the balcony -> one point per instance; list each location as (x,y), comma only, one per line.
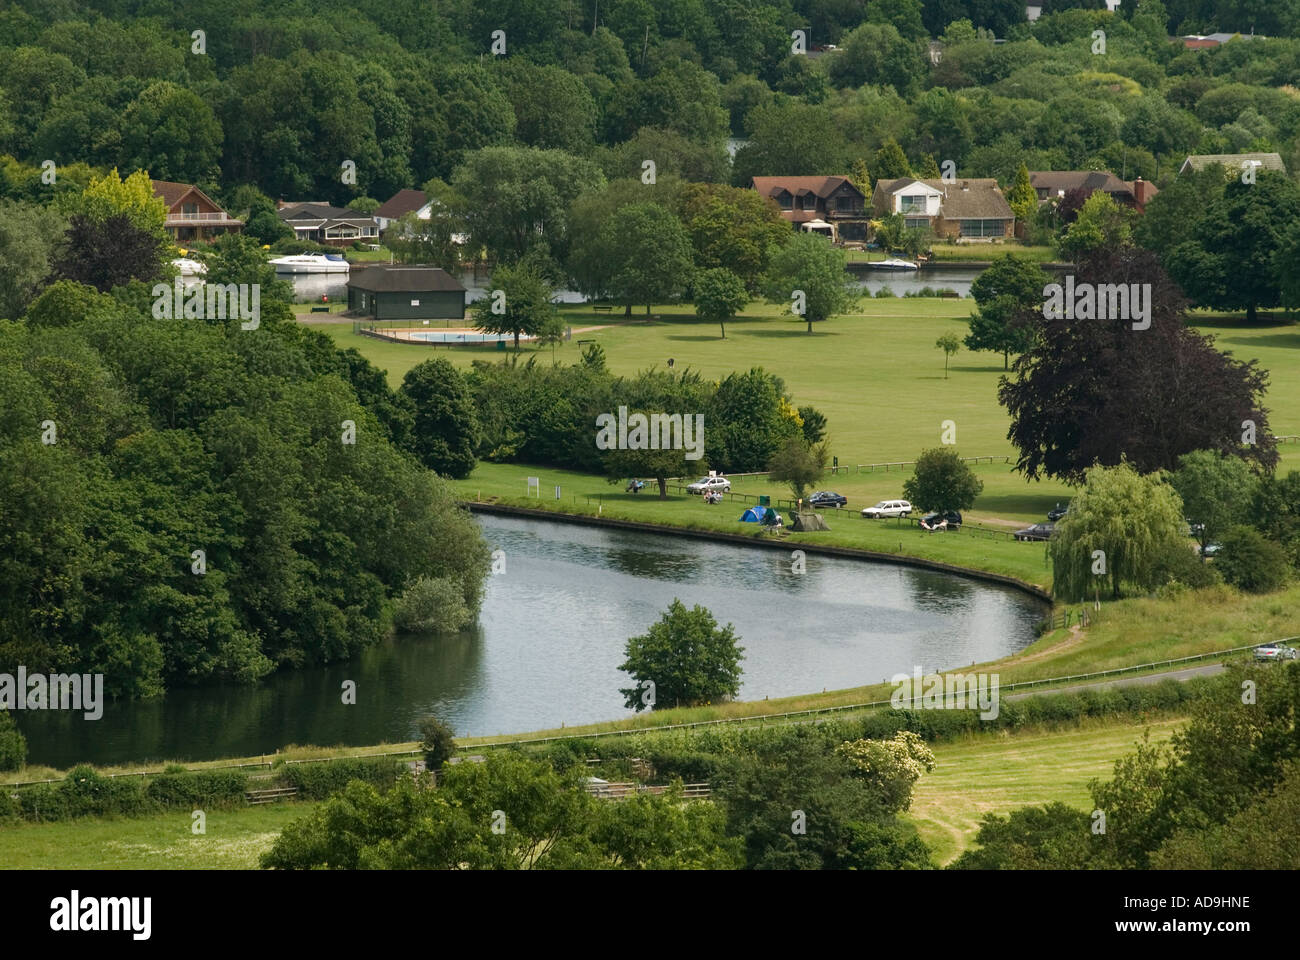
(190,219)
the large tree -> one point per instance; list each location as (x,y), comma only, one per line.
(808,275)
(687,658)
(1005,293)
(29,235)
(519,303)
(719,296)
(732,228)
(942,481)
(1226,259)
(446,432)
(1216,492)
(1097,390)
(647,256)
(1119,529)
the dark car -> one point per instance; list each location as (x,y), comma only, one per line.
(1057,512)
(932,520)
(1036,531)
(825,498)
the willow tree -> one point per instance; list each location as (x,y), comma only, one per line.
(1120,526)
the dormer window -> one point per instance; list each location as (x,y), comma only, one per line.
(810,202)
(912,204)
(784,199)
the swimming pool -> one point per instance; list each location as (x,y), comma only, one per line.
(440,336)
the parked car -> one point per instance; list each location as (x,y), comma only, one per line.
(888,508)
(951,517)
(1057,512)
(1036,531)
(825,498)
(720,484)
(1277,650)
(1209,550)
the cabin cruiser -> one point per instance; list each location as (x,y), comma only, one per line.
(311,263)
(188,267)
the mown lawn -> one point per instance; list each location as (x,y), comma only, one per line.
(234,841)
(876,374)
(998,774)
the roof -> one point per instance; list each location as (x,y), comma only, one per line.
(173,193)
(403,278)
(401,203)
(1266,161)
(799,186)
(977,199)
(1056,180)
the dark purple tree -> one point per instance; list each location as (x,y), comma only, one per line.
(1092,390)
(109,253)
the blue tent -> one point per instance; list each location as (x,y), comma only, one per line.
(758,515)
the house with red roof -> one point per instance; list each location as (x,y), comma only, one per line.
(192,214)
(828,205)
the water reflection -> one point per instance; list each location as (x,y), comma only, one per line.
(551,636)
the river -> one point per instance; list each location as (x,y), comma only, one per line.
(551,636)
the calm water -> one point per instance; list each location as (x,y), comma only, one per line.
(551,636)
(902,281)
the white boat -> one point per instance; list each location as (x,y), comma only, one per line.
(188,267)
(311,263)
(893,264)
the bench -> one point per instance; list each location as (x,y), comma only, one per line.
(320,309)
(601,308)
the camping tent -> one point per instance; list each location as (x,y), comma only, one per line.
(759,515)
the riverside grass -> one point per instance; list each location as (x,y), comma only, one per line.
(985,773)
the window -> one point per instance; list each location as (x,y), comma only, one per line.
(912,204)
(916,223)
(810,202)
(415,303)
(845,205)
(784,201)
(983,228)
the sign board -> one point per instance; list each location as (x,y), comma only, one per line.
(534,483)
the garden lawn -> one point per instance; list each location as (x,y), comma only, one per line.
(1000,773)
(235,839)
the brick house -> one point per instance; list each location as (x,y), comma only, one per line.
(191,214)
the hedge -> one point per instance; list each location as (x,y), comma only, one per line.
(318,780)
(85,793)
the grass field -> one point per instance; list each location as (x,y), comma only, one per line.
(234,841)
(986,774)
(951,252)
(999,774)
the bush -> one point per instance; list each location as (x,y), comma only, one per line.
(884,293)
(1249,562)
(317,780)
(438,742)
(1178,563)
(432,605)
(13,745)
(202,789)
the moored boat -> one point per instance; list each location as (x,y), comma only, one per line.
(311,263)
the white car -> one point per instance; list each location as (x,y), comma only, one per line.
(710,485)
(888,508)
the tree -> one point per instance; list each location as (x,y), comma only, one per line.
(949,344)
(264,225)
(890,162)
(860,176)
(685,659)
(808,274)
(814,424)
(1054,836)
(438,741)
(108,253)
(875,53)
(1067,415)
(1021,197)
(433,240)
(173,133)
(664,452)
(518,198)
(446,428)
(719,296)
(1216,491)
(732,228)
(749,416)
(1006,293)
(28,238)
(790,139)
(648,255)
(1275,511)
(800,464)
(519,303)
(904,15)
(1131,519)
(237,259)
(1102,224)
(941,481)
(890,767)
(1227,257)
(1250,562)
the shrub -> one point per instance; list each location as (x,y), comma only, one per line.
(13,745)
(884,293)
(205,788)
(433,605)
(318,780)
(1249,562)
(438,742)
